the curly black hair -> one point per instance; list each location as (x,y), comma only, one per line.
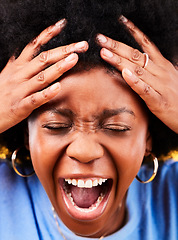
(22,20)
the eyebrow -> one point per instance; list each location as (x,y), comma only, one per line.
(107,113)
(62,111)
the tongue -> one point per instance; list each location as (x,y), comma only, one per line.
(85,197)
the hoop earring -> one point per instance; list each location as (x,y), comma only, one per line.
(155,161)
(13,158)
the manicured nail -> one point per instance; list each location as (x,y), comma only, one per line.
(71,57)
(55,86)
(101,38)
(80,45)
(107,53)
(123,19)
(61,23)
(127,72)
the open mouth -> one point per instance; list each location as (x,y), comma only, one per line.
(86,198)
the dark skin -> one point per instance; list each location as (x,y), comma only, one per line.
(22,80)
(156,84)
(21,84)
(86,132)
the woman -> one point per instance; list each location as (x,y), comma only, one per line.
(88,143)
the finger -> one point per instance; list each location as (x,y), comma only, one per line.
(46,77)
(146,44)
(35,100)
(120,63)
(50,57)
(33,47)
(151,97)
(125,51)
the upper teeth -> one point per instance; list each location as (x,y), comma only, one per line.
(89,183)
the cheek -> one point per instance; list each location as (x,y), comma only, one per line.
(127,155)
(45,155)
(40,152)
(45,152)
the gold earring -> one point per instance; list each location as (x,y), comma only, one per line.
(13,158)
(155,161)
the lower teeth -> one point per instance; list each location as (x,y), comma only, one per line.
(91,208)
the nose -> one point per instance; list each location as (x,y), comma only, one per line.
(85,149)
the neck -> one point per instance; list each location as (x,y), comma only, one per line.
(118,220)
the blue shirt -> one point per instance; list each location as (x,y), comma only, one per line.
(26,214)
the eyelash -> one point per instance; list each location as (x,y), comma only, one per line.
(116,128)
(57,126)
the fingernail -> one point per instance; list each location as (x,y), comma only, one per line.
(123,19)
(127,72)
(55,86)
(101,38)
(70,58)
(107,53)
(80,45)
(61,23)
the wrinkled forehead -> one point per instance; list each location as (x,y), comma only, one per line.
(92,92)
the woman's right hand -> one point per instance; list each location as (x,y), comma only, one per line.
(24,81)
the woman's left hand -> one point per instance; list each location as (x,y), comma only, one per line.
(156,81)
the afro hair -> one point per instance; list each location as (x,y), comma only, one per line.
(22,20)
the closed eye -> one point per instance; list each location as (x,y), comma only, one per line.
(58,127)
(116,127)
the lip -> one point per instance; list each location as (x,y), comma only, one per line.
(85,214)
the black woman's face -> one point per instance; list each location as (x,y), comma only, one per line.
(87,146)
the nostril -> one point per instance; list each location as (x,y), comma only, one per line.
(84,150)
(82,161)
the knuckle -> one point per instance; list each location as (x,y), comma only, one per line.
(161,105)
(131,27)
(114,45)
(135,54)
(44,94)
(65,49)
(70,48)
(41,76)
(118,61)
(136,81)
(36,45)
(145,40)
(44,57)
(164,103)
(13,107)
(49,31)
(147,89)
(33,100)
(34,42)
(58,67)
(139,71)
